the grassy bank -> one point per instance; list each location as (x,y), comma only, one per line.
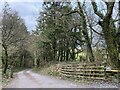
(6,77)
(54,70)
(0,78)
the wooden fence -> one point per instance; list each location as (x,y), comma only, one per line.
(87,72)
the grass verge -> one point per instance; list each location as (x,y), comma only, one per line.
(6,79)
(54,70)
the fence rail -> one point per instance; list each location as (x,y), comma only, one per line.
(87,71)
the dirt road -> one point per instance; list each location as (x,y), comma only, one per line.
(28,79)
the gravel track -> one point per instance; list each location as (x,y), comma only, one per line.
(29,79)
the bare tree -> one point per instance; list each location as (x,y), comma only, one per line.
(13,29)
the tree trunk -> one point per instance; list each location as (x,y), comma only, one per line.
(21,61)
(111,43)
(85,33)
(73,52)
(118,35)
(109,32)
(6,59)
(35,59)
(58,55)
(61,55)
(67,54)
(54,49)
(24,61)
(110,38)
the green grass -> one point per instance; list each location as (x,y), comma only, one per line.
(81,55)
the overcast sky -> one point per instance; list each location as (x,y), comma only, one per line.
(29,11)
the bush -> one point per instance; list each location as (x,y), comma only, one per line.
(53,69)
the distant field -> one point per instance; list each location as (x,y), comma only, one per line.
(82,54)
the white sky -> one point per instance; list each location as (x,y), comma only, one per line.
(29,11)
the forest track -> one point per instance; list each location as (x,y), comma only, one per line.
(29,79)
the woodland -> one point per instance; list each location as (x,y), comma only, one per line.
(81,32)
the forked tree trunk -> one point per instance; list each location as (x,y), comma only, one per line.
(109,37)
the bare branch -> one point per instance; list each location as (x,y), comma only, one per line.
(96,9)
(17,40)
(105,2)
(72,12)
(96,43)
(95,30)
(109,10)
